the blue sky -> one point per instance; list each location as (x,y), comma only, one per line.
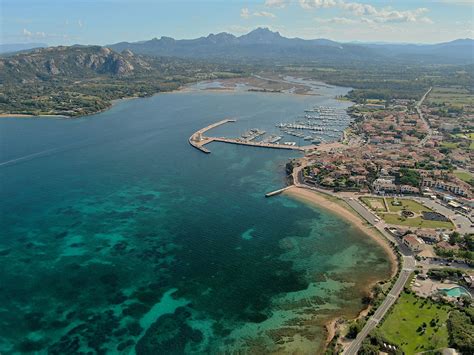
(108,21)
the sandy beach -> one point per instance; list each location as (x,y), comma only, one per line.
(319,200)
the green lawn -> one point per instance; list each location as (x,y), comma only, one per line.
(449,145)
(375,203)
(451,96)
(408,314)
(464,176)
(395,218)
(407,204)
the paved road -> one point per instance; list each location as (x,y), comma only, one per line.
(418,110)
(438,264)
(368,215)
(408,267)
(408,262)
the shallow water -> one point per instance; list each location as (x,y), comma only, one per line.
(118,236)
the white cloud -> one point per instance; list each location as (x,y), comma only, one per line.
(245,13)
(314,4)
(264,14)
(359,9)
(276,3)
(33,35)
(338,20)
(80,23)
(386,14)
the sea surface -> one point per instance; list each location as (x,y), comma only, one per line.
(116,236)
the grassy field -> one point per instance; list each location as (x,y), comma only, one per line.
(395,218)
(464,176)
(406,204)
(408,315)
(452,96)
(449,145)
(375,203)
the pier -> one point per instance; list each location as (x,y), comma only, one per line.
(198,140)
(277,192)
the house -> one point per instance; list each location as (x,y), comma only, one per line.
(469,279)
(429,236)
(445,245)
(384,185)
(407,189)
(413,242)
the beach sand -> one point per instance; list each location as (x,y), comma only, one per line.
(320,200)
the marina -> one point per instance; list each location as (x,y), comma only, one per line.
(320,124)
(198,140)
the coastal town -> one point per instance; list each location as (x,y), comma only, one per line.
(402,171)
(405,167)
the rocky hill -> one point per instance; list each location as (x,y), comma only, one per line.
(79,80)
(71,62)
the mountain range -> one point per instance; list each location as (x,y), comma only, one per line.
(263,43)
(17,47)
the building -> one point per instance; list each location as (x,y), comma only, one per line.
(407,189)
(457,189)
(413,242)
(384,185)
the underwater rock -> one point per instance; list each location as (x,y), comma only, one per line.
(135,310)
(125,344)
(169,334)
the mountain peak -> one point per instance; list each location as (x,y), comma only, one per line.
(261,35)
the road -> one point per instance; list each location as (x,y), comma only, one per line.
(418,110)
(462,223)
(408,267)
(408,261)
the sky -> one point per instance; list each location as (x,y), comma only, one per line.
(102,22)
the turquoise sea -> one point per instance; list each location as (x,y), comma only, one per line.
(116,236)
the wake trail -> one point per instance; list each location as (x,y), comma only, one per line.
(28,157)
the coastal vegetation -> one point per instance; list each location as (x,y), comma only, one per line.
(76,81)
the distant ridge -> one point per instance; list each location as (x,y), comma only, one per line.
(17,47)
(263,43)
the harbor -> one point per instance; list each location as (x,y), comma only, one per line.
(198,140)
(315,126)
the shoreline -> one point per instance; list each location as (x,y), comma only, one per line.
(186,88)
(25,115)
(313,198)
(319,200)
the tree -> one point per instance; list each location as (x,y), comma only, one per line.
(454,238)
(461,332)
(354,329)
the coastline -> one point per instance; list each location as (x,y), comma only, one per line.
(25,115)
(319,200)
(186,88)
